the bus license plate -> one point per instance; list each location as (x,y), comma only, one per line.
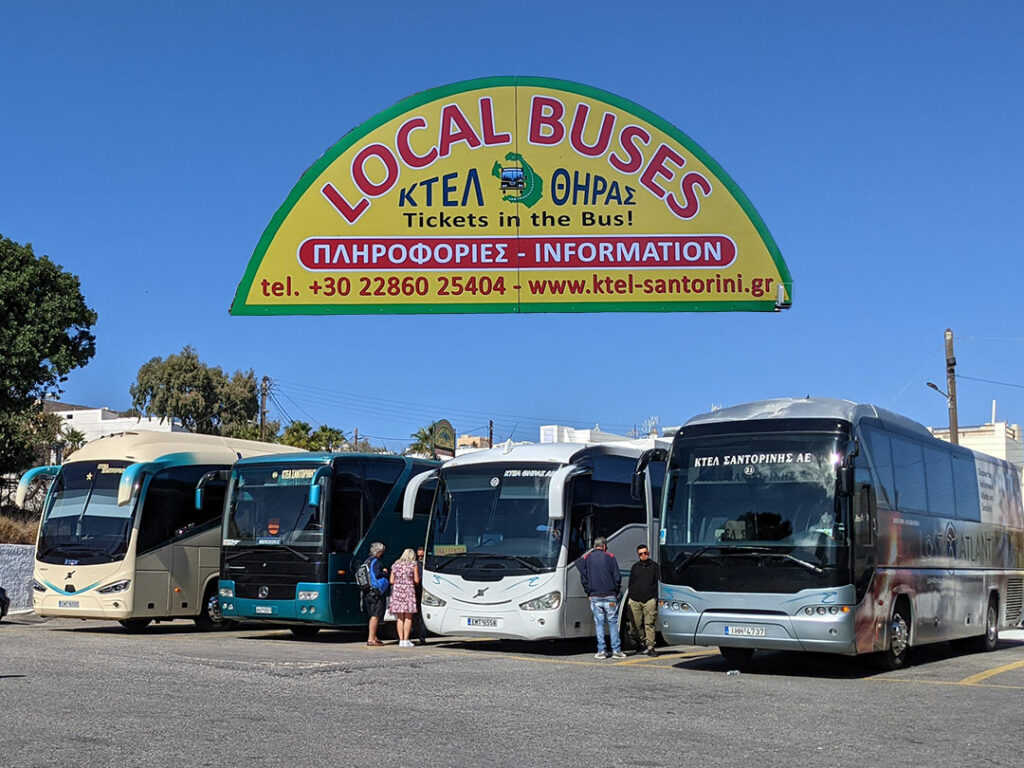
(269,609)
(479,622)
(742,631)
(67,603)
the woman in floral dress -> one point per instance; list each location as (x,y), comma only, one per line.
(404,578)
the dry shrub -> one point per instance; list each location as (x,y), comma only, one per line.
(17,532)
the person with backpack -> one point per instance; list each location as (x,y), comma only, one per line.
(375,576)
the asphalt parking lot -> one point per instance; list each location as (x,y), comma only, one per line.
(85,693)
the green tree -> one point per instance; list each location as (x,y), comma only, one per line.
(297,435)
(45,333)
(201,396)
(327,439)
(423,441)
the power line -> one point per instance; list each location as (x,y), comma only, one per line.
(989,381)
(384,407)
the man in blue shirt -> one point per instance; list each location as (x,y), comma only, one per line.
(602,581)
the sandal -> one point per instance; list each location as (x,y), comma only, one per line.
(374,643)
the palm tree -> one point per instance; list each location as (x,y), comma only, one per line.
(73,439)
(423,441)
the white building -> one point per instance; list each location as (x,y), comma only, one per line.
(556,433)
(97,422)
(999,439)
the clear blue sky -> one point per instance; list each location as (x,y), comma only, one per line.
(145,146)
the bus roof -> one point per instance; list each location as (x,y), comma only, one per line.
(808,408)
(322,457)
(149,446)
(552,453)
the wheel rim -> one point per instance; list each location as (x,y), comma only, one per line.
(213,610)
(990,623)
(899,634)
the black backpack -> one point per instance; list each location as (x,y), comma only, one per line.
(363,577)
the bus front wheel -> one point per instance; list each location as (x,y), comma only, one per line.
(210,618)
(895,656)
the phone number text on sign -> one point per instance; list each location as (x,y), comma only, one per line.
(374,287)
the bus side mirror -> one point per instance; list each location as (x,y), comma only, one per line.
(131,481)
(637,485)
(218,474)
(846,471)
(28,478)
(556,490)
(315,486)
(412,488)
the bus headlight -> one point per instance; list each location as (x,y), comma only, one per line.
(227,592)
(117,586)
(674,605)
(547,602)
(308,595)
(37,586)
(429,599)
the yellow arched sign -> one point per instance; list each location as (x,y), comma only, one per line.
(514,194)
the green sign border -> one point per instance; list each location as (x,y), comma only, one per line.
(239,306)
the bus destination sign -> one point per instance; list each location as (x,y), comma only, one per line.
(514,194)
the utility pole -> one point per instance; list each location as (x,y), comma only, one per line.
(264,391)
(490,433)
(954,437)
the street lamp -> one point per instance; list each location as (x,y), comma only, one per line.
(954,437)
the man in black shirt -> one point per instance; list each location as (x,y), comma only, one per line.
(643,597)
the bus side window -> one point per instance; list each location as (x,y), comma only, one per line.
(580,516)
(612,502)
(381,476)
(881,455)
(168,509)
(348,508)
(965,484)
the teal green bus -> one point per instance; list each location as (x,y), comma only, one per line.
(296,526)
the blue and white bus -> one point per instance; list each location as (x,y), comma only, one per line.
(509,525)
(296,527)
(827,525)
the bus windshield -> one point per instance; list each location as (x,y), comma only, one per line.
(82,521)
(742,494)
(494,519)
(269,504)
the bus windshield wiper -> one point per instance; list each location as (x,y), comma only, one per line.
(773,553)
(233,555)
(517,558)
(682,566)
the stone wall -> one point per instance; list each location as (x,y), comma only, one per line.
(16,562)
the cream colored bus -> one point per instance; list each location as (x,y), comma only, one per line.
(121,536)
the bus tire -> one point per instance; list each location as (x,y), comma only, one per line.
(988,641)
(210,618)
(305,632)
(895,656)
(739,657)
(629,635)
(134,625)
